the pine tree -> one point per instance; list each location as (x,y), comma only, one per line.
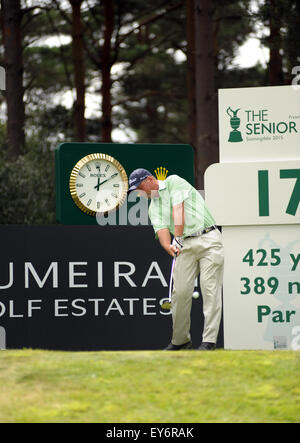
(12,37)
(206,99)
(79,70)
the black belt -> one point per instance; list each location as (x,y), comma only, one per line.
(205,231)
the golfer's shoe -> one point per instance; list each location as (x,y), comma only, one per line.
(172,347)
(205,346)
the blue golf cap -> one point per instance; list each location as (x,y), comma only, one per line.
(136,178)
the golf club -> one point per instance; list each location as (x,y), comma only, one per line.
(168,304)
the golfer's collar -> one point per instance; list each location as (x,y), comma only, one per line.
(161,185)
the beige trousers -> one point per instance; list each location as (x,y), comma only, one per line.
(202,254)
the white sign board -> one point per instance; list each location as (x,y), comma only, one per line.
(261,287)
(254,194)
(259,124)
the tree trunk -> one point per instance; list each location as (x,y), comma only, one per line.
(12,18)
(276,77)
(106,123)
(79,71)
(206,97)
(191,77)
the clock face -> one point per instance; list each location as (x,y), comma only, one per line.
(98,184)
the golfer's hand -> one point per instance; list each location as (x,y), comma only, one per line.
(172,250)
(176,246)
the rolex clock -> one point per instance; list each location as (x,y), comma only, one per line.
(98,184)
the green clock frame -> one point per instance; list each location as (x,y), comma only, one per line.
(176,158)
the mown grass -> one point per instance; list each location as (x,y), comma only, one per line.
(149,387)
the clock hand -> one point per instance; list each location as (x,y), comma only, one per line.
(114,175)
(97,185)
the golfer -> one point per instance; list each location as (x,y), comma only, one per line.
(177,208)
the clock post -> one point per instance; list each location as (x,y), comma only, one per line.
(91,178)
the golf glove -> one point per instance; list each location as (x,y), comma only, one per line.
(178,242)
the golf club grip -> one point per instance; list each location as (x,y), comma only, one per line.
(171,277)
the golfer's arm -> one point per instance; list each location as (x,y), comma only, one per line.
(178,216)
(164,235)
(164,238)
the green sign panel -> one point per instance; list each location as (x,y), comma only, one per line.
(70,157)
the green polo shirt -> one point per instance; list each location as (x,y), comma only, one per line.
(173,191)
